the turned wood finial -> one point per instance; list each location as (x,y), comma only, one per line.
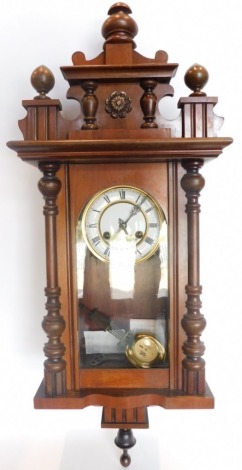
(196,78)
(125,440)
(119,27)
(42,80)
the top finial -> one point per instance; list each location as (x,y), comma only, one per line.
(120,27)
(196,78)
(43,80)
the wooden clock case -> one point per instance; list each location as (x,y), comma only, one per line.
(121,138)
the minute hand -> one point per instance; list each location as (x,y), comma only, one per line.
(123,223)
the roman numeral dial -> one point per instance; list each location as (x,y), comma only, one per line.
(120,216)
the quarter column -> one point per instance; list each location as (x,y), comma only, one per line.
(53,323)
(193,321)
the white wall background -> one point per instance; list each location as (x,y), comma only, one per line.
(32,33)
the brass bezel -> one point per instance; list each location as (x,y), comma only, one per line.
(105,191)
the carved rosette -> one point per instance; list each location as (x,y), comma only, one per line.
(53,323)
(118,105)
(193,321)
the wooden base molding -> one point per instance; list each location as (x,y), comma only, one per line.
(124,398)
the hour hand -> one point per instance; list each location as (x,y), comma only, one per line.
(122,226)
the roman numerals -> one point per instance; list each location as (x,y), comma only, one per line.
(153,225)
(149,209)
(96,240)
(107,252)
(149,240)
(141,199)
(122,194)
(107,199)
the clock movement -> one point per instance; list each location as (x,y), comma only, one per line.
(121,188)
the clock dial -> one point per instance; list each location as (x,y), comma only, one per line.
(119,217)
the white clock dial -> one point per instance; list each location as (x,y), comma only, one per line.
(124,214)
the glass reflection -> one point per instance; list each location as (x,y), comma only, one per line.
(122,304)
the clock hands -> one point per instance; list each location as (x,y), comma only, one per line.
(133,211)
(123,223)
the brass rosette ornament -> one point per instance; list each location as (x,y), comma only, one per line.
(118,105)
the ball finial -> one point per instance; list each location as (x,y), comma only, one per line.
(42,80)
(119,27)
(196,78)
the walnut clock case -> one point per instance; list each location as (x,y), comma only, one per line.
(121,189)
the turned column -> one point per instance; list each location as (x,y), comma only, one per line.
(148,103)
(193,321)
(53,323)
(198,121)
(89,105)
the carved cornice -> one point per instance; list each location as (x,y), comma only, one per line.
(133,150)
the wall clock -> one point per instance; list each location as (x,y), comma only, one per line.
(121,191)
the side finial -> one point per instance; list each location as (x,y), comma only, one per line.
(42,80)
(196,78)
(120,27)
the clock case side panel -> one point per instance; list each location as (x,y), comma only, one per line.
(177,236)
(66,275)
